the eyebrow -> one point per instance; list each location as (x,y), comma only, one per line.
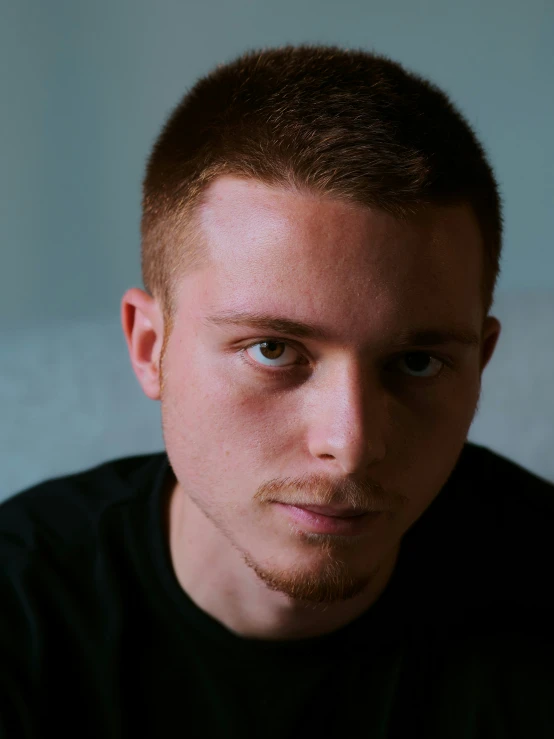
(418,337)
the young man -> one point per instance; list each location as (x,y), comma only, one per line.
(318,550)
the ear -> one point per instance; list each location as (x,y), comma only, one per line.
(491,332)
(142,323)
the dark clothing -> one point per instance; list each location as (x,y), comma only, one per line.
(97,638)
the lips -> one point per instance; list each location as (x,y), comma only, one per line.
(304,519)
(335,512)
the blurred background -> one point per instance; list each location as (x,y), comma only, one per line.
(86,89)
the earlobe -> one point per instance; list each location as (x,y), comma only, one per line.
(143,330)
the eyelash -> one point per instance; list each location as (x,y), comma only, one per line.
(285,372)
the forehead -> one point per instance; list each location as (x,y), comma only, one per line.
(272,248)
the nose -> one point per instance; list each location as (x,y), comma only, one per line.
(348,419)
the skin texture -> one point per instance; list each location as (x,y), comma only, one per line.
(354,423)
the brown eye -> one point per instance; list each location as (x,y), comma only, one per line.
(271,352)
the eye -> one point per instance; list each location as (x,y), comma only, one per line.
(420,362)
(272,351)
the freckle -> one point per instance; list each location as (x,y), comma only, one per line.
(227,453)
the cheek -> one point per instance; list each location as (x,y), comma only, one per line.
(249,420)
(218,415)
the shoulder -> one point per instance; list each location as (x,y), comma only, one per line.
(514,501)
(485,544)
(506,480)
(56,567)
(512,511)
(57,513)
(60,541)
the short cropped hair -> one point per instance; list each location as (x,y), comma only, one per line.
(349,124)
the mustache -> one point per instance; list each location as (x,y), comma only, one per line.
(316,490)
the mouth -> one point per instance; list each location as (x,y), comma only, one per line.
(312,519)
(334,511)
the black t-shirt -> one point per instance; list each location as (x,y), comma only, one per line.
(98,639)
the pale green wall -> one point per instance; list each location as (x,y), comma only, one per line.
(88,84)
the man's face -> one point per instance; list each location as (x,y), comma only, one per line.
(357,418)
